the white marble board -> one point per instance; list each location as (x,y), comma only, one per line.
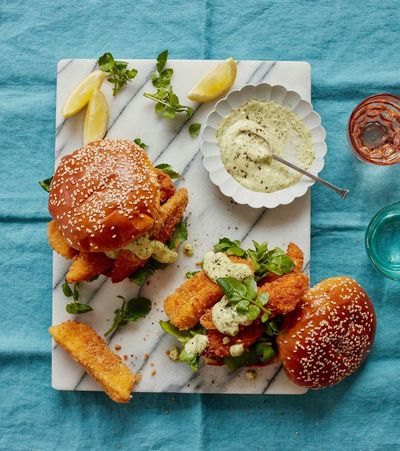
(210,216)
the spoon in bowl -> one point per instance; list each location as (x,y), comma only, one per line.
(343,192)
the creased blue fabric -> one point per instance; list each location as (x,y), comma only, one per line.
(352,47)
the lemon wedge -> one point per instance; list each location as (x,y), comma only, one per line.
(215,83)
(81,95)
(96,119)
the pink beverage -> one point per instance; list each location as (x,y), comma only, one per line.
(374,129)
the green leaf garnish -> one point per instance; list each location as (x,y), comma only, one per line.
(45,184)
(192,360)
(264,261)
(265,351)
(66,289)
(230,247)
(140,143)
(140,276)
(245,296)
(262,351)
(247,358)
(167,102)
(190,274)
(269,261)
(179,236)
(274,327)
(117,72)
(182,335)
(194,129)
(129,311)
(162,61)
(167,168)
(74,307)
(77,308)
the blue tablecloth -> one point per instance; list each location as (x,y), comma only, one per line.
(353,50)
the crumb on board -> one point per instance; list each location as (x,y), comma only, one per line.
(251,375)
(153,372)
(125,357)
(117,347)
(173,353)
(146,356)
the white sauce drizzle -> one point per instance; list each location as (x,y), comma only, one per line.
(196,345)
(218,265)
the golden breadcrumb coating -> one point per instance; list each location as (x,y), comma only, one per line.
(246,336)
(85,266)
(167,187)
(58,242)
(170,215)
(125,264)
(296,255)
(189,301)
(87,348)
(286,292)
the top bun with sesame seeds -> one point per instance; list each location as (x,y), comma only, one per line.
(329,336)
(104,195)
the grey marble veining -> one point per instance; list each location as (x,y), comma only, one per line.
(210,216)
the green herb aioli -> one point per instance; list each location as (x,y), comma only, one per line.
(196,345)
(236,350)
(145,248)
(226,319)
(218,265)
(248,157)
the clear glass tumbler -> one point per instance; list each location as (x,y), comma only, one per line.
(382,240)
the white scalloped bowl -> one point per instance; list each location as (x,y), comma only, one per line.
(212,157)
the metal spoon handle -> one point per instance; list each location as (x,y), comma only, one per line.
(342,192)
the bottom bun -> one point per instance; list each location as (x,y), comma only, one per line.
(329,336)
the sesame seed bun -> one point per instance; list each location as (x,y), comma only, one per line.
(104,195)
(329,336)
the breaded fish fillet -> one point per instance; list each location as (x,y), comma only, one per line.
(125,264)
(286,292)
(170,215)
(87,348)
(58,242)
(85,266)
(247,336)
(296,255)
(189,301)
(167,187)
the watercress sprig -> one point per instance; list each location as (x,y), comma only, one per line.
(139,277)
(75,307)
(168,169)
(179,235)
(184,336)
(245,296)
(194,129)
(140,143)
(129,311)
(167,102)
(264,260)
(117,72)
(45,184)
